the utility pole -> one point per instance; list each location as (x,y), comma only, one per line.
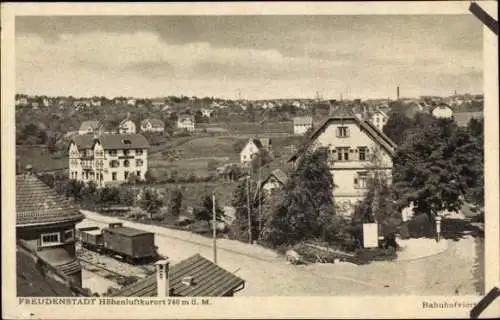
(249,212)
(214,228)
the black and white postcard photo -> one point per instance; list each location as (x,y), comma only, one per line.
(250,160)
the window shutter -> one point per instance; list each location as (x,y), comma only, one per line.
(347,131)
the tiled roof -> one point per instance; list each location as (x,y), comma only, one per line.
(209,280)
(280,175)
(302,120)
(155,123)
(94,124)
(31,282)
(36,203)
(345,114)
(463,118)
(185,117)
(36,276)
(113,141)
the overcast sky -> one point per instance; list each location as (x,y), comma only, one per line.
(260,56)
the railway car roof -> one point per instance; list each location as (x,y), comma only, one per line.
(93,231)
(126,231)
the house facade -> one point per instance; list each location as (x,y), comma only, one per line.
(22,101)
(275,181)
(127,126)
(152,125)
(207,112)
(379,119)
(108,158)
(253,146)
(90,127)
(462,119)
(442,111)
(356,150)
(302,124)
(186,122)
(45,224)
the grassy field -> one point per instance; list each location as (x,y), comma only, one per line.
(195,153)
(193,192)
(40,158)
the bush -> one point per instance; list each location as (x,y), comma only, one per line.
(366,255)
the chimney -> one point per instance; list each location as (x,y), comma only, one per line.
(162,280)
(397,92)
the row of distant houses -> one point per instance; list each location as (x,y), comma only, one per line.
(127,126)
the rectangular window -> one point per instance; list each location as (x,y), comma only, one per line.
(342,132)
(138,152)
(69,235)
(126,163)
(362,153)
(113,175)
(50,238)
(125,175)
(343,154)
(114,163)
(138,162)
(112,152)
(126,152)
(138,173)
(361,180)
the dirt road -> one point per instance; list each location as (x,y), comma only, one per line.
(267,274)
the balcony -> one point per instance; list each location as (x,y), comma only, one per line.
(87,165)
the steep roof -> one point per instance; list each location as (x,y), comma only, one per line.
(279,175)
(463,118)
(302,120)
(256,142)
(184,117)
(113,141)
(155,123)
(32,282)
(125,121)
(36,203)
(36,277)
(345,114)
(90,124)
(209,280)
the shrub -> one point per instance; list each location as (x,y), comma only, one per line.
(366,255)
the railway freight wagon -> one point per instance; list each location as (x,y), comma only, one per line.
(131,244)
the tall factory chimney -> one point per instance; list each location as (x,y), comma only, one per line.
(397,92)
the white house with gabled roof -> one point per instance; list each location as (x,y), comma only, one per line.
(356,149)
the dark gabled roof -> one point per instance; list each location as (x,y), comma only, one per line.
(279,175)
(209,280)
(257,143)
(112,141)
(37,203)
(343,115)
(94,124)
(126,231)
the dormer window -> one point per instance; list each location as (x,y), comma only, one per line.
(126,141)
(342,132)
